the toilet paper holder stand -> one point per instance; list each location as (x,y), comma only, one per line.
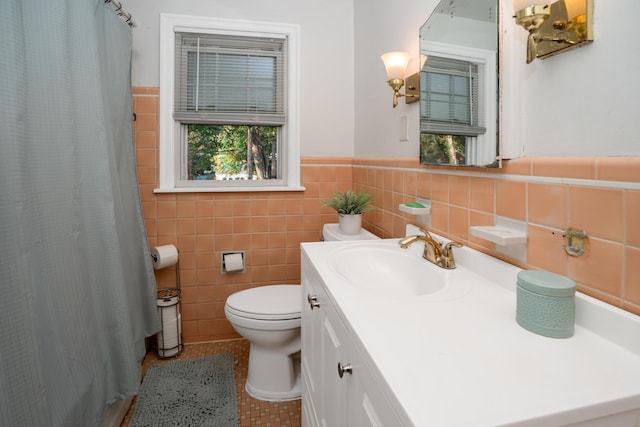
(166,295)
(155,258)
(168,301)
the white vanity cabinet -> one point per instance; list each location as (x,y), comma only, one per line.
(329,399)
(446,359)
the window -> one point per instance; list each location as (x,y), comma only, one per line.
(450,121)
(228,107)
(450,93)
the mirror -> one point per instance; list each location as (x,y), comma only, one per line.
(459,84)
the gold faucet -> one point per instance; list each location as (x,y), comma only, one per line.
(442,256)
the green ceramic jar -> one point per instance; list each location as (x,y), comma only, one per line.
(546,303)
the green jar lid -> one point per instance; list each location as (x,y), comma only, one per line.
(546,283)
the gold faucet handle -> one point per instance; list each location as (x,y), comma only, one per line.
(447,248)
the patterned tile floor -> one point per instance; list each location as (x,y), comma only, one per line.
(251,412)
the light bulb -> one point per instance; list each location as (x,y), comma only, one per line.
(575,8)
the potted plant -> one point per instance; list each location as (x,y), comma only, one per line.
(350,206)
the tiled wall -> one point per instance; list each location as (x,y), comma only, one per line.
(268,226)
(601,196)
(598,195)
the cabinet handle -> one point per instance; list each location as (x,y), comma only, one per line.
(313,301)
(344,369)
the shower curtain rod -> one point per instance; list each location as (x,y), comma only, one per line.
(117,8)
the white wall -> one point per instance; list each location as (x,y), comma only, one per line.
(462,31)
(587,101)
(326,62)
(383,26)
(580,103)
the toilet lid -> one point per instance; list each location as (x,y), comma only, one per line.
(273,302)
(331,232)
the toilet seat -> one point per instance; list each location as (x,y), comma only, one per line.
(273,302)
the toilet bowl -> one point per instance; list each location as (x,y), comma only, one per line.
(269,318)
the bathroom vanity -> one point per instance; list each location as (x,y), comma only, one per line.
(333,395)
(380,349)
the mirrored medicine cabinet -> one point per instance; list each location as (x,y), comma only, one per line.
(459,84)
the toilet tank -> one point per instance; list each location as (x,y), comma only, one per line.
(331,232)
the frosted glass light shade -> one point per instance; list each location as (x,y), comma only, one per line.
(396,64)
(522,4)
(416,65)
(575,8)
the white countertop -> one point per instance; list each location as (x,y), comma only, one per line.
(466,362)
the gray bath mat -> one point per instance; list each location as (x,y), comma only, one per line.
(191,392)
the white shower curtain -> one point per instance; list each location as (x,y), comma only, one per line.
(77,292)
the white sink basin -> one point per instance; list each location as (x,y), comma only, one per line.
(392,271)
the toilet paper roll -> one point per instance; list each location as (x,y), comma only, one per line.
(172,345)
(164,256)
(170,336)
(233,263)
(168,299)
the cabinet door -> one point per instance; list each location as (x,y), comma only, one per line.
(311,346)
(335,346)
(323,342)
(367,404)
(354,399)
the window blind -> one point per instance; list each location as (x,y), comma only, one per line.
(230,79)
(451,97)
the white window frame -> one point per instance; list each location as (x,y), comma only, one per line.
(170,129)
(479,152)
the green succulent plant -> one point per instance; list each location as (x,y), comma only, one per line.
(350,202)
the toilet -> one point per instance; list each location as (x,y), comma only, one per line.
(269,318)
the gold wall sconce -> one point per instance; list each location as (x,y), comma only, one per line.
(396,65)
(554,27)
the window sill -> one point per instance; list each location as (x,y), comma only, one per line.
(226,189)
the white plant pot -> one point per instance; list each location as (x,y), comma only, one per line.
(350,224)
